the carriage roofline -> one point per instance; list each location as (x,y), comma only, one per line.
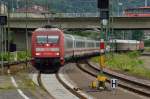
(148,7)
(124,41)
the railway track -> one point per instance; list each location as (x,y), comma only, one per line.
(7,65)
(92,70)
(39,81)
(59,81)
(145,54)
(134,85)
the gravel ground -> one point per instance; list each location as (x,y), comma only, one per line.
(25,84)
(83,80)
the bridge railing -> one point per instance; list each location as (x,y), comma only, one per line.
(57,15)
(77,14)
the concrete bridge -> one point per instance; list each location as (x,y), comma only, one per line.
(68,20)
(75,20)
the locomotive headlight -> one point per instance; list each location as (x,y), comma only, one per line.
(57,53)
(37,54)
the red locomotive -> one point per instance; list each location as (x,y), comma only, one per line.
(50,46)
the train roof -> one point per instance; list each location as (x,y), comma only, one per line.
(51,28)
(124,41)
(147,7)
(79,37)
(47,29)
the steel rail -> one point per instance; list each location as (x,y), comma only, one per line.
(129,84)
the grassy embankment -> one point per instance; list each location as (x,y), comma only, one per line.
(21,56)
(147,49)
(126,63)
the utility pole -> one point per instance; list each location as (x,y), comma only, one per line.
(3,22)
(26,26)
(26,31)
(146,3)
(12,5)
(8,33)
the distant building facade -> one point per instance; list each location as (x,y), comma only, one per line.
(3,8)
(32,9)
(147,34)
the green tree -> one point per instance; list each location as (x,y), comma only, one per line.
(137,35)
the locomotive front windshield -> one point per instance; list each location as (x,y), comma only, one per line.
(41,39)
(47,39)
(53,39)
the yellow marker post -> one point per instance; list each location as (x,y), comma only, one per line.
(101,78)
(102,61)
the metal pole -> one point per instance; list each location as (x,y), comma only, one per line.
(26,32)
(8,33)
(2,52)
(112,21)
(118,7)
(5,35)
(145,3)
(26,28)
(12,5)
(5,41)
(47,12)
(17,4)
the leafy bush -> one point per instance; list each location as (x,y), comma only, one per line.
(5,56)
(21,55)
(134,54)
(128,63)
(147,43)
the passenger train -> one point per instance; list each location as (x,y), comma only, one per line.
(51,47)
(126,45)
(137,12)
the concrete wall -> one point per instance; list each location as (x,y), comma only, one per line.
(20,40)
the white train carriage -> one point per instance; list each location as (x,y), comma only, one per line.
(125,45)
(79,46)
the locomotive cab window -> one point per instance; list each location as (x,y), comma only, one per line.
(41,39)
(53,39)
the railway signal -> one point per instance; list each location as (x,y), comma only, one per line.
(103,6)
(3,20)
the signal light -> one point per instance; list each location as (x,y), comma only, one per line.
(103,4)
(104,15)
(102,45)
(3,20)
(37,54)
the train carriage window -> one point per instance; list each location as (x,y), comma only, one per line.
(141,11)
(147,11)
(53,39)
(90,44)
(68,43)
(41,39)
(80,44)
(97,44)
